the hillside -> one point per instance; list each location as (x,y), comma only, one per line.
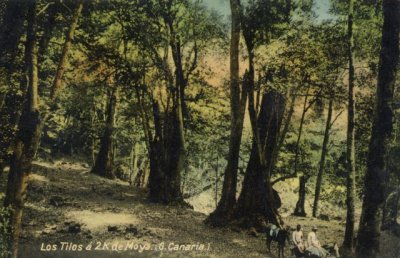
(68,207)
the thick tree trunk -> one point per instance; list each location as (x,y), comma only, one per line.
(167,155)
(227,202)
(104,161)
(377,173)
(176,150)
(257,198)
(300,209)
(175,155)
(30,128)
(167,149)
(157,159)
(156,177)
(29,131)
(348,243)
(282,134)
(324,152)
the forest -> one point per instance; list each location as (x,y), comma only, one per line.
(180,128)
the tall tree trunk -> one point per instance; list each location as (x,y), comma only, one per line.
(300,133)
(257,198)
(299,209)
(227,202)
(104,161)
(29,131)
(166,153)
(177,151)
(348,242)
(377,173)
(174,152)
(324,152)
(30,128)
(169,146)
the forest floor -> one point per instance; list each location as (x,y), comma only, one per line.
(72,213)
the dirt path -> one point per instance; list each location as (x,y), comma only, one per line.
(67,204)
(72,213)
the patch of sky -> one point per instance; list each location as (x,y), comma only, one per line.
(321,8)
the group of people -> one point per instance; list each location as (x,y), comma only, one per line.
(312,245)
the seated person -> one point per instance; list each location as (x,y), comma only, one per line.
(297,239)
(314,246)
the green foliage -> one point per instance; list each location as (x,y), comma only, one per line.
(127,44)
(4,237)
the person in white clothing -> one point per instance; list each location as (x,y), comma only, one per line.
(314,246)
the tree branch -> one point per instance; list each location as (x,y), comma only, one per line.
(283,178)
(334,120)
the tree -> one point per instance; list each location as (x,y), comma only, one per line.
(350,147)
(238,103)
(299,209)
(368,242)
(299,64)
(186,28)
(28,135)
(11,31)
(257,198)
(334,53)
(31,125)
(323,157)
(170,142)
(104,160)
